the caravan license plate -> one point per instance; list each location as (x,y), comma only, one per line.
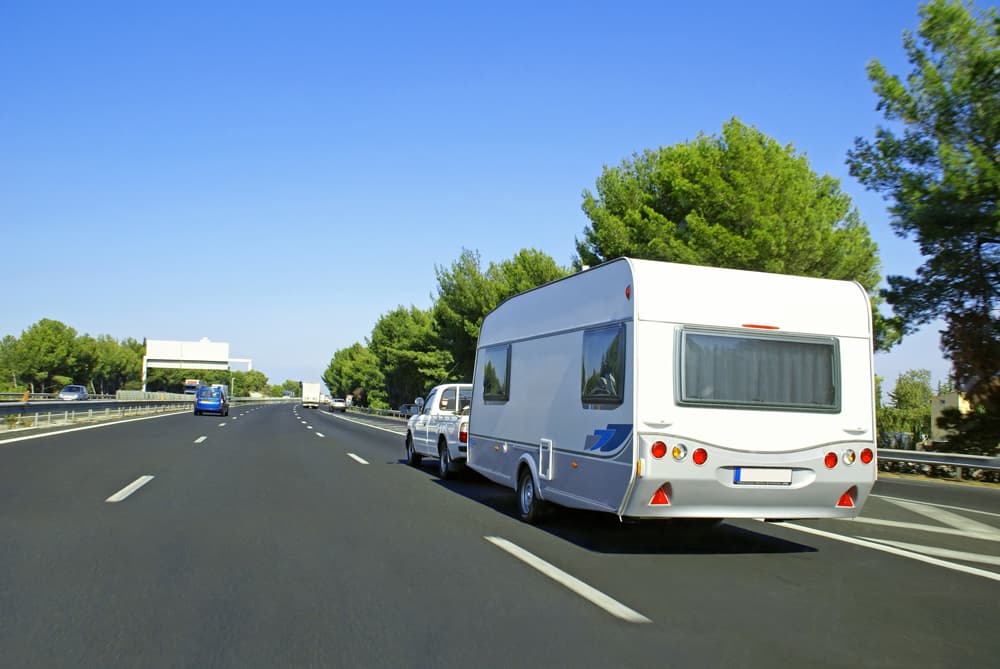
(762,475)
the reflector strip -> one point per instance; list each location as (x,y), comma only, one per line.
(760,327)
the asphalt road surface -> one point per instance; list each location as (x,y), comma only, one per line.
(289,537)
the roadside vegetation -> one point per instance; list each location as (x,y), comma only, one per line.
(737,199)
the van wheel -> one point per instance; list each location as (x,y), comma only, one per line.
(529,506)
(444,462)
(412,457)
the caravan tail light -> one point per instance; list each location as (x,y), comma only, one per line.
(867,456)
(830,460)
(658,449)
(700,456)
(849,456)
(679,452)
(662,496)
(463,433)
(847,499)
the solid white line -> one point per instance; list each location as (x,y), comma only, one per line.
(946,517)
(110,423)
(319,434)
(941,552)
(895,551)
(993,535)
(357,459)
(129,489)
(200,439)
(374,427)
(574,584)
(940,506)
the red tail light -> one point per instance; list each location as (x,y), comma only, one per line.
(662,496)
(867,456)
(658,449)
(830,460)
(700,456)
(463,434)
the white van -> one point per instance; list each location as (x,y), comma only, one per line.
(658,390)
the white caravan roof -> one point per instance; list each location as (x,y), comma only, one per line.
(627,288)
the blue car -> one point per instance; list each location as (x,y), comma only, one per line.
(209,399)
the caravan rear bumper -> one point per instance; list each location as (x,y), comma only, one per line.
(736,484)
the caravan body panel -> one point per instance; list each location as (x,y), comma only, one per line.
(767,373)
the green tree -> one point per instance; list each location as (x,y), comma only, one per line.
(938,166)
(740,201)
(909,409)
(10,364)
(244,383)
(466,294)
(409,355)
(46,354)
(355,371)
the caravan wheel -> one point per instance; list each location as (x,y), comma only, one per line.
(529,506)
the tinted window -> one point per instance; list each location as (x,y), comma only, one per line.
(209,392)
(603,376)
(496,373)
(766,372)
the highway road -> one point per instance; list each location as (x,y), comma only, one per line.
(288,537)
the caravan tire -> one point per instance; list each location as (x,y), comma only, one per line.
(529,506)
(412,457)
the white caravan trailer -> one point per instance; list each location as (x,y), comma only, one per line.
(657,390)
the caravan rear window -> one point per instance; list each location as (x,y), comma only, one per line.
(768,372)
(496,373)
(603,380)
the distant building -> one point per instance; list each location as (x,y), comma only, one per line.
(942,403)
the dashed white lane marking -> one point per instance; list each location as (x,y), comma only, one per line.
(894,551)
(945,517)
(303,422)
(319,434)
(200,439)
(941,552)
(309,427)
(574,584)
(129,489)
(357,459)
(222,424)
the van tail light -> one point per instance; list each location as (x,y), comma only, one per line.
(662,496)
(463,433)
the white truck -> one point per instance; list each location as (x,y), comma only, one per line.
(656,390)
(310,394)
(441,429)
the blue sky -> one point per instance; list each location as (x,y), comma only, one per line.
(279,175)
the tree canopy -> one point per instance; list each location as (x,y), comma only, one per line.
(937,164)
(739,200)
(466,294)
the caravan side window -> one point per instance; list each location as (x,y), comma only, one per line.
(496,373)
(603,380)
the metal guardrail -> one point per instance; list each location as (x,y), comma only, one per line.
(957,461)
